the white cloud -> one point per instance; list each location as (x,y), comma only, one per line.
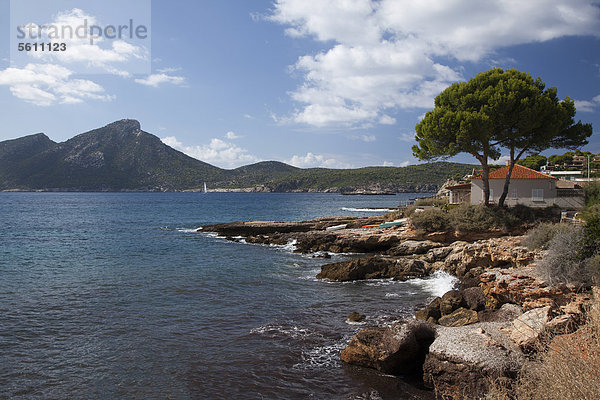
(404,164)
(155,80)
(390,54)
(407,137)
(310,160)
(587,105)
(85,51)
(365,138)
(49,78)
(388,164)
(231,135)
(48,84)
(217,152)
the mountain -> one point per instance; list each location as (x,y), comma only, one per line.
(116,157)
(121,156)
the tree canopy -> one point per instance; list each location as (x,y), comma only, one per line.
(498,110)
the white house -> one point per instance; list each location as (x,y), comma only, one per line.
(528,187)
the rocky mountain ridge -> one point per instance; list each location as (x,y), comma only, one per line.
(122,157)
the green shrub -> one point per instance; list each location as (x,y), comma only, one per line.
(473,218)
(592,193)
(590,245)
(430,220)
(540,236)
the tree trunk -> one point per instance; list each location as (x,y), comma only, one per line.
(511,165)
(485,177)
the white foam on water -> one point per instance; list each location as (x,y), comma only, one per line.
(186,230)
(322,356)
(366,209)
(355,322)
(437,284)
(392,295)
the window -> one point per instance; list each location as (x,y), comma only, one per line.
(491,195)
(537,194)
(514,194)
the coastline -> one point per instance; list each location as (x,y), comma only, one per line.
(460,342)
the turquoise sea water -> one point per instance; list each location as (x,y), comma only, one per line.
(111,295)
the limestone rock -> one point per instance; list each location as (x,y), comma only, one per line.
(431,313)
(528,328)
(451,301)
(399,349)
(462,361)
(373,268)
(410,247)
(522,286)
(459,317)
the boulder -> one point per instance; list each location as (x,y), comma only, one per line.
(474,299)
(399,349)
(431,313)
(356,317)
(506,313)
(460,317)
(373,268)
(462,361)
(528,328)
(451,301)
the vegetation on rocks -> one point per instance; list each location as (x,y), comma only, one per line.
(477,218)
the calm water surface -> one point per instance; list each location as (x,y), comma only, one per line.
(111,295)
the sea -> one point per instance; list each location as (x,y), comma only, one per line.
(115,296)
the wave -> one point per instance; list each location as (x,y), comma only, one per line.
(437,284)
(366,209)
(186,230)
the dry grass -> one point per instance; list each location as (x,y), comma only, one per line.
(568,370)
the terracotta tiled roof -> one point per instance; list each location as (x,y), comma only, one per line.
(518,172)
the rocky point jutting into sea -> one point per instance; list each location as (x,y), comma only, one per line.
(456,345)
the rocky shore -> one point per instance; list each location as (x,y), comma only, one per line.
(482,332)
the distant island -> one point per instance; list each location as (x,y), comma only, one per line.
(122,157)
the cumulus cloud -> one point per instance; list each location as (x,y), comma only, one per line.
(48,84)
(390,54)
(155,80)
(217,152)
(86,51)
(50,77)
(311,160)
(587,105)
(231,135)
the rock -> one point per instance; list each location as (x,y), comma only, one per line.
(522,286)
(431,313)
(528,328)
(451,301)
(474,298)
(438,254)
(462,361)
(506,313)
(460,317)
(356,317)
(410,247)
(373,268)
(399,349)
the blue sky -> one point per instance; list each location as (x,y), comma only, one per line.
(309,82)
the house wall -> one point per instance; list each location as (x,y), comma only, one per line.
(523,189)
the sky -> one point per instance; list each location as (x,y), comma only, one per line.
(313,83)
